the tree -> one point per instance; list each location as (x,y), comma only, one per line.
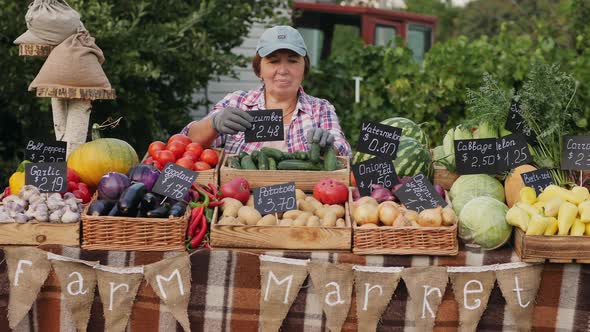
(158,54)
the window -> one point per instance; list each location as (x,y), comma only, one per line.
(384,34)
(314,40)
(419,40)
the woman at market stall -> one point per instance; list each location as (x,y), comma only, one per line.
(281,62)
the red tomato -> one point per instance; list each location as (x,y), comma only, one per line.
(202,166)
(330,191)
(156,146)
(164,156)
(180,138)
(157,165)
(186,163)
(196,148)
(190,154)
(177,148)
(210,157)
(73,176)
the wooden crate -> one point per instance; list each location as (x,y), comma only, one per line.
(444,178)
(281,237)
(35,233)
(211,175)
(304,180)
(554,248)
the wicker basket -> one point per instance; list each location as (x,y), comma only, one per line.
(387,240)
(127,233)
(444,177)
(406,241)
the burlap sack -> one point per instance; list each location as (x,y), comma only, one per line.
(519,287)
(49,22)
(171,281)
(280,281)
(426,287)
(27,270)
(374,289)
(117,288)
(333,284)
(78,283)
(472,292)
(75,63)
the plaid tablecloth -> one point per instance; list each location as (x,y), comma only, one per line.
(225,294)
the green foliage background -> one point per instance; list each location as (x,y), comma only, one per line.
(433,93)
(158,53)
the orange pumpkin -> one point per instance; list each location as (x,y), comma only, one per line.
(94,159)
(514,183)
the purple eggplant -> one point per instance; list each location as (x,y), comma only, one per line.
(145,174)
(112,185)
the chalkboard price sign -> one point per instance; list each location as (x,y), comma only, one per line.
(174,182)
(376,170)
(476,156)
(419,194)
(513,151)
(276,198)
(539,179)
(48,177)
(379,139)
(266,126)
(40,152)
(575,153)
(516,124)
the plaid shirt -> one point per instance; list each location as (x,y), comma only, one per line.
(311,112)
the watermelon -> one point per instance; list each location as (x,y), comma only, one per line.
(412,158)
(409,128)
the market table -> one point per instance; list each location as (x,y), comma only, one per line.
(225,294)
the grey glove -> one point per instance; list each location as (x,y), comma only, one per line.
(231,120)
(321,136)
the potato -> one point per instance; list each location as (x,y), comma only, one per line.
(340,223)
(230,207)
(304,216)
(268,220)
(250,202)
(339,210)
(313,221)
(369,226)
(329,219)
(299,194)
(292,214)
(249,214)
(316,204)
(306,206)
(286,222)
(299,222)
(449,218)
(228,221)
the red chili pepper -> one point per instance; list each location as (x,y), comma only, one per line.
(215,203)
(213,188)
(204,191)
(196,217)
(201,234)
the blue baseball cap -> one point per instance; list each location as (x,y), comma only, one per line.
(281,37)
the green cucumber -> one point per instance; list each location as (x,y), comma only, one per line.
(262,161)
(298,165)
(272,164)
(314,153)
(302,155)
(234,162)
(247,163)
(330,160)
(273,153)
